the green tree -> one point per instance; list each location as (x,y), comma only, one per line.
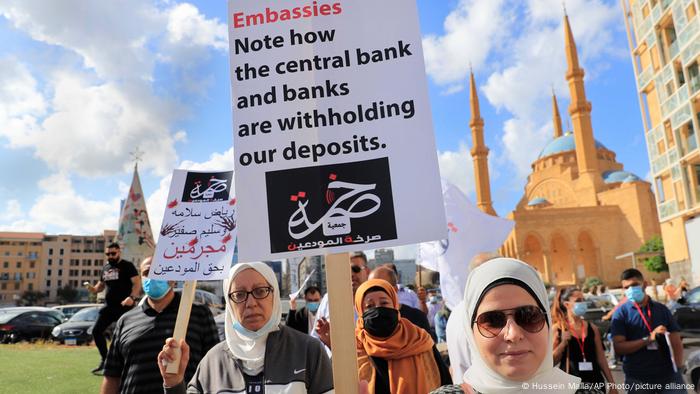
(31,297)
(67,294)
(655,263)
(591,282)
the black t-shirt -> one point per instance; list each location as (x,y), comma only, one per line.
(117,279)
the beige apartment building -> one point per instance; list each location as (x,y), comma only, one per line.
(20,264)
(664,38)
(70,260)
(46,263)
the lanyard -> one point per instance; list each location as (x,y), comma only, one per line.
(642,315)
(581,339)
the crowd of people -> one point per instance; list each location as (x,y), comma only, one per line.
(503,337)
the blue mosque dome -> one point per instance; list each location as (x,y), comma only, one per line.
(563,144)
(537,201)
(619,176)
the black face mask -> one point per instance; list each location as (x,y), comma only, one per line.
(380,322)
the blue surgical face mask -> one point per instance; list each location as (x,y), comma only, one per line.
(312,306)
(253,334)
(580,308)
(635,293)
(155,289)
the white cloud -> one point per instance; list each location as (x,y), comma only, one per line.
(457,168)
(20,102)
(87,119)
(188,27)
(60,207)
(472,30)
(13,210)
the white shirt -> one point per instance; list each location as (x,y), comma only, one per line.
(408,297)
(457,347)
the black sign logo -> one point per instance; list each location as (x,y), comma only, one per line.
(331,205)
(207,186)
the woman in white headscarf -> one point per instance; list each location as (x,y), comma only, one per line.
(258,353)
(509,333)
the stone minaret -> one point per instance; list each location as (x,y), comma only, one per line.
(580,112)
(480,153)
(556,118)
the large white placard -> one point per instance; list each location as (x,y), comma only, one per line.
(198,233)
(333,135)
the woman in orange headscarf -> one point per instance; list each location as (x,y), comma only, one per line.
(394,355)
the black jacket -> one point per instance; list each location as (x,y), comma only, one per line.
(298,320)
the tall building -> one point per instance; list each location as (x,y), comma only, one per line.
(664,39)
(580,209)
(70,260)
(382,256)
(20,264)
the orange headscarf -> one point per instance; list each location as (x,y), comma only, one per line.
(408,351)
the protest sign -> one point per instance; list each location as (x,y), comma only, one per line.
(198,233)
(334,145)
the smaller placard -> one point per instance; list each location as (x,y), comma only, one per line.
(198,233)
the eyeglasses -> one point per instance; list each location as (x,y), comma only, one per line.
(529,317)
(110,253)
(356,269)
(242,296)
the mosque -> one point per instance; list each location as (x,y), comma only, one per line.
(580,209)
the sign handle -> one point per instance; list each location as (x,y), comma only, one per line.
(340,301)
(183,319)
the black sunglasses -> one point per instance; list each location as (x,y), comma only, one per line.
(356,269)
(530,318)
(111,253)
(242,296)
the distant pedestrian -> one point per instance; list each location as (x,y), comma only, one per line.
(440,319)
(640,328)
(123,285)
(322,326)
(578,345)
(132,365)
(302,319)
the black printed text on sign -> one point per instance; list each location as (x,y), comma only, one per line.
(338,85)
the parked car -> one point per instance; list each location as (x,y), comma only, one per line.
(692,364)
(28,323)
(687,313)
(78,329)
(211,300)
(71,309)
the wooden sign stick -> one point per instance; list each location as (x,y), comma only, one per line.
(340,302)
(183,319)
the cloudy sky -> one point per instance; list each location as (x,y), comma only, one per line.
(84,83)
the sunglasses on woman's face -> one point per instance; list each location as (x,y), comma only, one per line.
(529,317)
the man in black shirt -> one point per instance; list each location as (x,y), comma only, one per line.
(132,361)
(303,319)
(123,288)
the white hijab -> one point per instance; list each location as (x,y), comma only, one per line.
(479,375)
(249,348)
